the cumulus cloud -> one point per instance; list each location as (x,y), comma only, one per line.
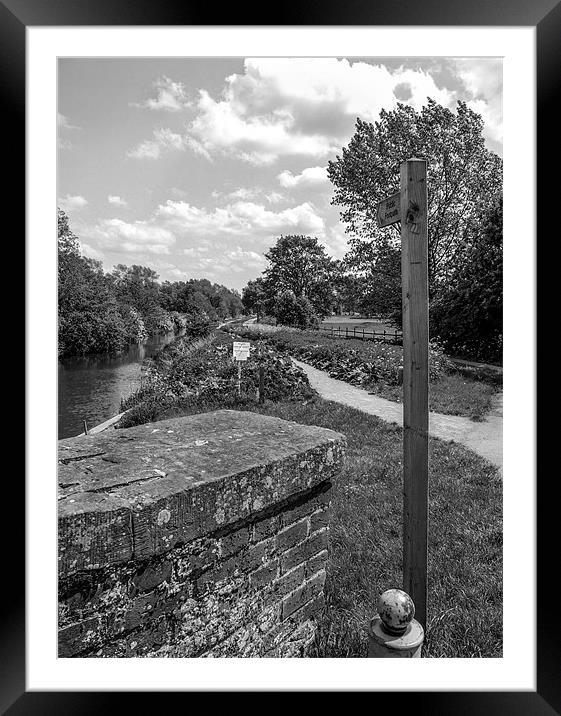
(240,218)
(170,96)
(482,78)
(72,202)
(134,237)
(230,237)
(227,127)
(165,140)
(116,200)
(256,193)
(307,107)
(234,260)
(274,197)
(301,106)
(294,107)
(312,176)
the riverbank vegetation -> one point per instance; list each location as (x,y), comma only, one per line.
(201,374)
(101,312)
(465,556)
(375,366)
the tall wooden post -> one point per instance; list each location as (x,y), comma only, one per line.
(414,271)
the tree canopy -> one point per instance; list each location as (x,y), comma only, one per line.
(467,315)
(254,296)
(301,265)
(103,312)
(463,178)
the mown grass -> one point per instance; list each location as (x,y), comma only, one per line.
(465,538)
(451,394)
(465,534)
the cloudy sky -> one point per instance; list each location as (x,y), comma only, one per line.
(196,166)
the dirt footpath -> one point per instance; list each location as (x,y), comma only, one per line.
(485,438)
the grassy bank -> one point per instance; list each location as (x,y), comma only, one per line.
(375,366)
(465,540)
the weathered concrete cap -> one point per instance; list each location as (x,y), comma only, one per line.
(138,492)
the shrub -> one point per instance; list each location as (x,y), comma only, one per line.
(198,325)
(296,312)
(358,362)
(202,373)
(179,320)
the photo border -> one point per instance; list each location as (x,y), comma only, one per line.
(15,16)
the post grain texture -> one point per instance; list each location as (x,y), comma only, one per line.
(414,257)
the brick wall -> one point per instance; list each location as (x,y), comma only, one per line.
(238,571)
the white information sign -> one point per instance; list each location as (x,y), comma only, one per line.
(241,350)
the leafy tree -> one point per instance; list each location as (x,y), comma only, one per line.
(300,264)
(234,303)
(294,311)
(103,313)
(467,316)
(462,176)
(136,286)
(68,243)
(89,319)
(254,297)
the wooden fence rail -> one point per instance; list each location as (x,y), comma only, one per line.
(394,337)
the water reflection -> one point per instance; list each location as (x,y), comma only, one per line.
(91,387)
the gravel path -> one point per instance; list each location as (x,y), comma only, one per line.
(484,438)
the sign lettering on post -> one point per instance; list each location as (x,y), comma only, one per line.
(389,210)
(240,350)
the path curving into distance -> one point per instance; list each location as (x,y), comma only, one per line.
(485,438)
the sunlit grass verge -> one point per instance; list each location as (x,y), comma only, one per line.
(451,394)
(465,533)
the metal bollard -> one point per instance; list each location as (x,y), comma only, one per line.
(394,633)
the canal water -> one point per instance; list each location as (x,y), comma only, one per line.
(91,387)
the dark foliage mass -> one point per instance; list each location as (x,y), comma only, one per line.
(102,312)
(467,316)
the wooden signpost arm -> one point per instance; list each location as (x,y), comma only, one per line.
(414,266)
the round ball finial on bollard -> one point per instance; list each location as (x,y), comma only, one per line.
(394,632)
(396,610)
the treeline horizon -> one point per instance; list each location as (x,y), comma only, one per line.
(104,312)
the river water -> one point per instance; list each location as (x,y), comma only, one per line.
(91,387)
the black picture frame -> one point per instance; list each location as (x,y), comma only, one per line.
(545,16)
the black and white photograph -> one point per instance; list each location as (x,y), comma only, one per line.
(280,350)
(280,354)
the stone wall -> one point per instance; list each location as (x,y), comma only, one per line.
(199,536)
